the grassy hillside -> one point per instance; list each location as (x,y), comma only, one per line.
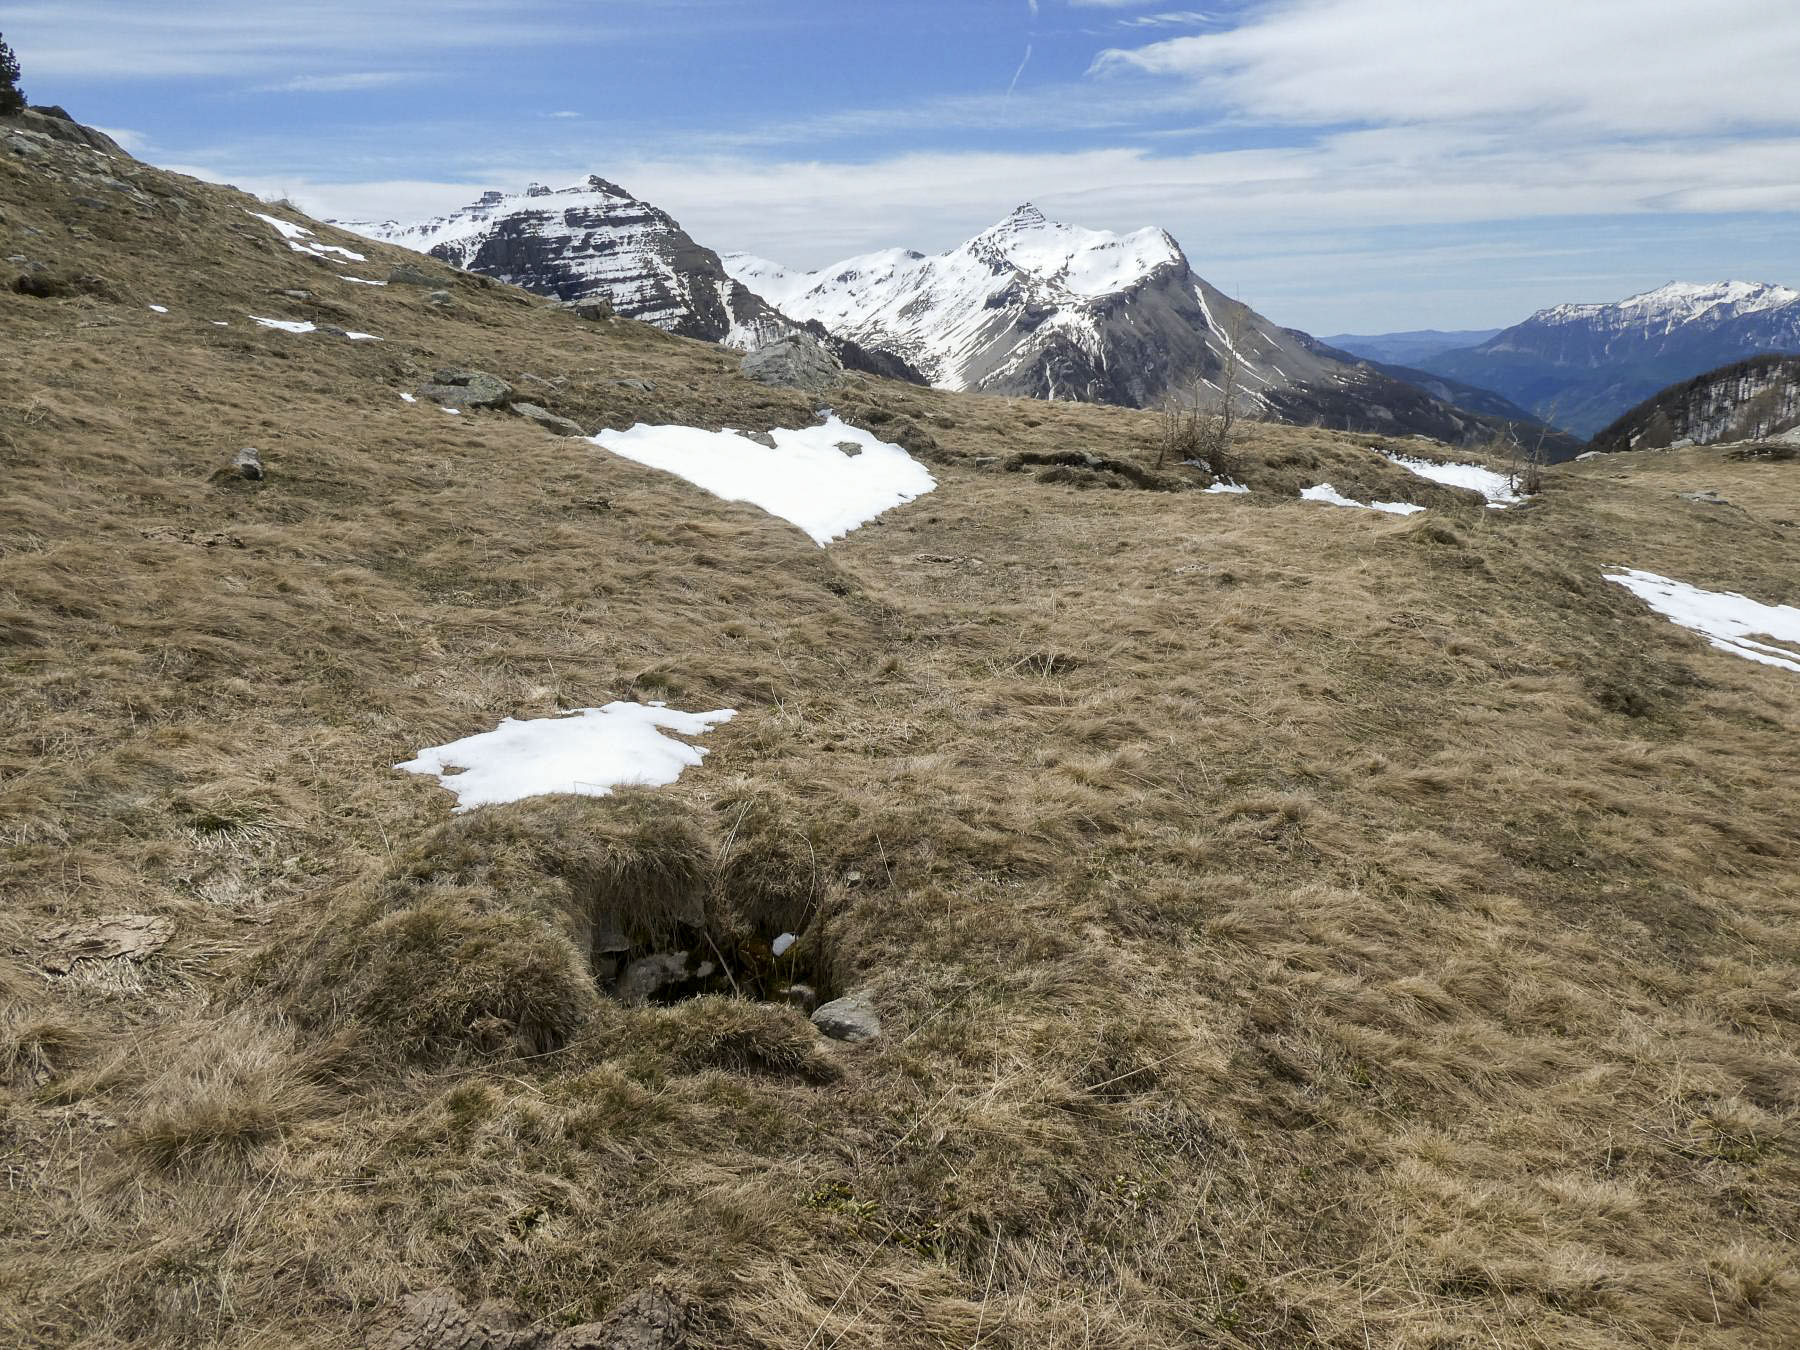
(1290,925)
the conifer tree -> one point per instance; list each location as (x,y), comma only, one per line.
(12,100)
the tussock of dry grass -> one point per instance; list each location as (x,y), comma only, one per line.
(1291,926)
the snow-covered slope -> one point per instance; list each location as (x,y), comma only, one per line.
(594,239)
(1583,365)
(1039,308)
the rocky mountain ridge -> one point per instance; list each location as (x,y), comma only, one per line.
(1042,309)
(1582,365)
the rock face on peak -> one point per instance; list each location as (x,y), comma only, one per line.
(1042,309)
(594,239)
(1581,366)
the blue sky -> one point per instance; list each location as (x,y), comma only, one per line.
(1360,165)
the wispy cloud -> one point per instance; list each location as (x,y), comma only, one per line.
(97,38)
(344,83)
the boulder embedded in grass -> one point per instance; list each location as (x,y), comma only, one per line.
(851,1018)
(410,274)
(467,389)
(548,420)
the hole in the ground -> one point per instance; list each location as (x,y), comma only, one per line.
(695,960)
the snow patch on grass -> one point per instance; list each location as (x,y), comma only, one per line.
(1324,492)
(1225,485)
(806,479)
(1490,483)
(1723,618)
(301,326)
(361,281)
(301,240)
(588,752)
(286,325)
(159,309)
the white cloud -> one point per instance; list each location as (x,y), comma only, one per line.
(1625,66)
(102,38)
(346,82)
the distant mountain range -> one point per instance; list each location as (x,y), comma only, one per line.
(1582,366)
(1747,400)
(1041,309)
(1030,307)
(1407,349)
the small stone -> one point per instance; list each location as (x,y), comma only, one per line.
(132,936)
(645,976)
(439,298)
(248,464)
(762,438)
(298,295)
(801,996)
(851,1018)
(548,420)
(642,386)
(1707,498)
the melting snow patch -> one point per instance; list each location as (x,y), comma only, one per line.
(780,945)
(301,326)
(588,752)
(362,281)
(159,309)
(454,412)
(806,479)
(219,323)
(1490,483)
(1324,492)
(300,239)
(409,398)
(286,325)
(1225,485)
(1725,619)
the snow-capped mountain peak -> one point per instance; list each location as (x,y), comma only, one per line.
(1679,302)
(960,316)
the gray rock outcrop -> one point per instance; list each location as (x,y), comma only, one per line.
(795,361)
(548,420)
(467,389)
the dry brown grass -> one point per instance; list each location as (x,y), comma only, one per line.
(1292,926)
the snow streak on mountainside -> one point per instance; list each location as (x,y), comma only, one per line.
(1581,366)
(1749,400)
(1038,308)
(594,240)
